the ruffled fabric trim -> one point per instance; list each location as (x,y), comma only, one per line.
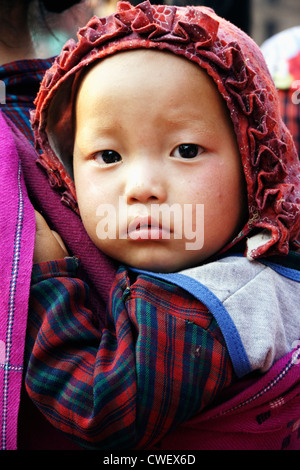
(236,65)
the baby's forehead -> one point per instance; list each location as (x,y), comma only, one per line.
(127,62)
(169,94)
(150,75)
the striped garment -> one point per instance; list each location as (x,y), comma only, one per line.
(19,84)
(159,361)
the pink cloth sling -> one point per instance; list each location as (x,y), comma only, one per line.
(264,415)
(17,241)
(23,183)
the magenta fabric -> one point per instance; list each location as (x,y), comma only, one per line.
(17,228)
(96,269)
(23,184)
(261,413)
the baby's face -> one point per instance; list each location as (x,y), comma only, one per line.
(156,166)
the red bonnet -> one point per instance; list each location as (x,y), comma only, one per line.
(235,63)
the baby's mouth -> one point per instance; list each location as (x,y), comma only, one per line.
(146,228)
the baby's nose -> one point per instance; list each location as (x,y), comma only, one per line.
(145,185)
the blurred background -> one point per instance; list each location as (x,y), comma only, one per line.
(269,17)
(261,19)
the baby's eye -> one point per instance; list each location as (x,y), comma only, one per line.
(187,151)
(107,157)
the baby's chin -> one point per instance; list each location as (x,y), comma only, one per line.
(162,267)
(154,268)
(156,258)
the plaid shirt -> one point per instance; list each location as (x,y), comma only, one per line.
(160,360)
(21,83)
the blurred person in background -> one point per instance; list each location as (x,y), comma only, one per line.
(28,40)
(103,7)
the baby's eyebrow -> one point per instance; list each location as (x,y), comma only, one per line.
(182,120)
(106,127)
(187,117)
(201,124)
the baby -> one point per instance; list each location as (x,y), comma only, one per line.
(161,126)
(173,149)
